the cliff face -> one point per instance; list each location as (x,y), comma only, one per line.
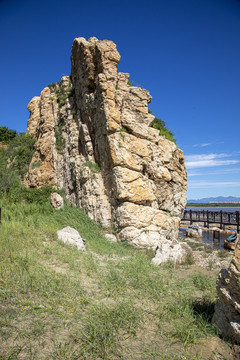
(94,139)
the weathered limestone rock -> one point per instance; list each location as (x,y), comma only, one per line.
(111,237)
(194,232)
(95,140)
(227,309)
(171,251)
(71,236)
(56,201)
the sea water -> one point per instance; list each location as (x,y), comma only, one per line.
(207,236)
(226,209)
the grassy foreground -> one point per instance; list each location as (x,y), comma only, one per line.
(107,303)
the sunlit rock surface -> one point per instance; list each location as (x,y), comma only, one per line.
(95,140)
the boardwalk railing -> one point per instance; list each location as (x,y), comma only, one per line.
(221,218)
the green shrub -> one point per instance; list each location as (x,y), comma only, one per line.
(62,94)
(6,134)
(31,195)
(20,152)
(8,177)
(54,85)
(161,126)
(60,141)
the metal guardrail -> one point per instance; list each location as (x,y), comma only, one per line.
(221,218)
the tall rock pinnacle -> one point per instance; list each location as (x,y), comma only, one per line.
(95,140)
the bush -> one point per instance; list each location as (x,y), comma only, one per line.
(8,177)
(20,152)
(31,195)
(161,126)
(6,134)
(62,94)
(60,141)
(53,86)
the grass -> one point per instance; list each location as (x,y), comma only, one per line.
(94,167)
(36,164)
(107,303)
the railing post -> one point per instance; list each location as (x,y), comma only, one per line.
(190,216)
(237,221)
(207,219)
(221,219)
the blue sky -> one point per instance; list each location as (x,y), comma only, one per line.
(186,53)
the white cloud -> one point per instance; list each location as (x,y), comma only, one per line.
(207,184)
(195,174)
(216,172)
(207,160)
(202,145)
(208,144)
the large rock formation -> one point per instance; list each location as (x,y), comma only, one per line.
(227,309)
(95,140)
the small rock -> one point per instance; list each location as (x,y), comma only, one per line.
(194,232)
(111,237)
(172,251)
(56,201)
(71,236)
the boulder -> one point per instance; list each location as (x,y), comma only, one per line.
(56,201)
(194,232)
(171,251)
(71,236)
(111,237)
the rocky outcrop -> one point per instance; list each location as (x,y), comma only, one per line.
(227,309)
(95,140)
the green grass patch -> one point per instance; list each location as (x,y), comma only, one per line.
(94,167)
(60,303)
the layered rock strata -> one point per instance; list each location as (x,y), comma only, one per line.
(95,140)
(227,309)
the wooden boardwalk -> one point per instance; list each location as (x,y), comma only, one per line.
(221,218)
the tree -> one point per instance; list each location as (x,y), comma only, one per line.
(6,134)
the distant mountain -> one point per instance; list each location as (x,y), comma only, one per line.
(215,199)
